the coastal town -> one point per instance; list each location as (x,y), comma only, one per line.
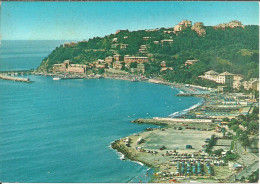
(215,141)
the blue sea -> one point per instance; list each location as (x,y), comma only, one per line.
(61,131)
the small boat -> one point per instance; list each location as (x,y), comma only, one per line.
(56,78)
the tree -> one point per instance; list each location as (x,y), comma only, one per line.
(244,140)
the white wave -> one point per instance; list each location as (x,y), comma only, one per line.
(179,113)
(140,163)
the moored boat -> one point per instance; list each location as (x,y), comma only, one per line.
(56,78)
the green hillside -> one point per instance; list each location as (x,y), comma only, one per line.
(232,49)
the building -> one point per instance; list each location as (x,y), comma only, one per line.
(253,84)
(199,28)
(66,67)
(237,81)
(109,59)
(118,31)
(225,78)
(166,41)
(210,75)
(163,64)
(123,46)
(71,44)
(190,62)
(156,42)
(117,65)
(135,59)
(100,65)
(143,49)
(182,25)
(114,40)
(117,57)
(147,38)
(141,67)
(231,24)
(76,68)
(166,69)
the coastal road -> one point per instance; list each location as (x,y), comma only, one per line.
(249,160)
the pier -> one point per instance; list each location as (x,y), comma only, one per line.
(6,77)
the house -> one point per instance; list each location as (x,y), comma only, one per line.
(117,65)
(163,64)
(190,62)
(156,42)
(135,59)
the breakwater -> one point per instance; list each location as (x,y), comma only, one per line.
(5,77)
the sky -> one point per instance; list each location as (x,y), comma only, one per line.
(84,20)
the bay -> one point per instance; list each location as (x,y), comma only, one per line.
(60,131)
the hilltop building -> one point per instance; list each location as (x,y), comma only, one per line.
(231,24)
(71,44)
(199,28)
(182,25)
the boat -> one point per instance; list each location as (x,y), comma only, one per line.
(56,78)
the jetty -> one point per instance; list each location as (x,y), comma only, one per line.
(18,79)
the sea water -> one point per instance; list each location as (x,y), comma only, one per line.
(61,131)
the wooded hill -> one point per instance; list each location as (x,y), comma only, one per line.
(235,50)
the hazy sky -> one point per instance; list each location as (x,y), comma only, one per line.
(83,20)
